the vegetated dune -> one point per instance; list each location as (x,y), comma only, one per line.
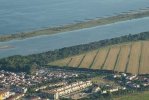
(144,64)
(76,61)
(61,63)
(87,61)
(100,58)
(130,57)
(111,59)
(123,58)
(133,64)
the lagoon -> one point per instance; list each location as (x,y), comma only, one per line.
(28,15)
(45,43)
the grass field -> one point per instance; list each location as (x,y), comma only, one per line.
(127,57)
(137,96)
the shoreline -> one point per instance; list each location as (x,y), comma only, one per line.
(77,26)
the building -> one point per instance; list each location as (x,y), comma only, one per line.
(16,96)
(4,94)
(77,86)
(131,77)
(51,85)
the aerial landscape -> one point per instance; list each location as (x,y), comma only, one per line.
(74,50)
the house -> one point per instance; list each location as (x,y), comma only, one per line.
(4,94)
(131,77)
(145,84)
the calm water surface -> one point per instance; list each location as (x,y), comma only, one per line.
(56,41)
(28,15)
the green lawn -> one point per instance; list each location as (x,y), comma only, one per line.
(138,96)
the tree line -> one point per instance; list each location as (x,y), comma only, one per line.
(26,63)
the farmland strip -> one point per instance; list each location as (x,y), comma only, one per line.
(134,58)
(75,61)
(144,69)
(109,64)
(88,59)
(140,58)
(118,55)
(94,59)
(126,68)
(69,62)
(100,58)
(81,61)
(105,59)
(60,63)
(123,57)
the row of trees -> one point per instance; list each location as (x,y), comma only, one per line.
(25,63)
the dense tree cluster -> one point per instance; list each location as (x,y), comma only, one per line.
(26,63)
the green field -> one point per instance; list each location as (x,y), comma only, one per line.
(137,96)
